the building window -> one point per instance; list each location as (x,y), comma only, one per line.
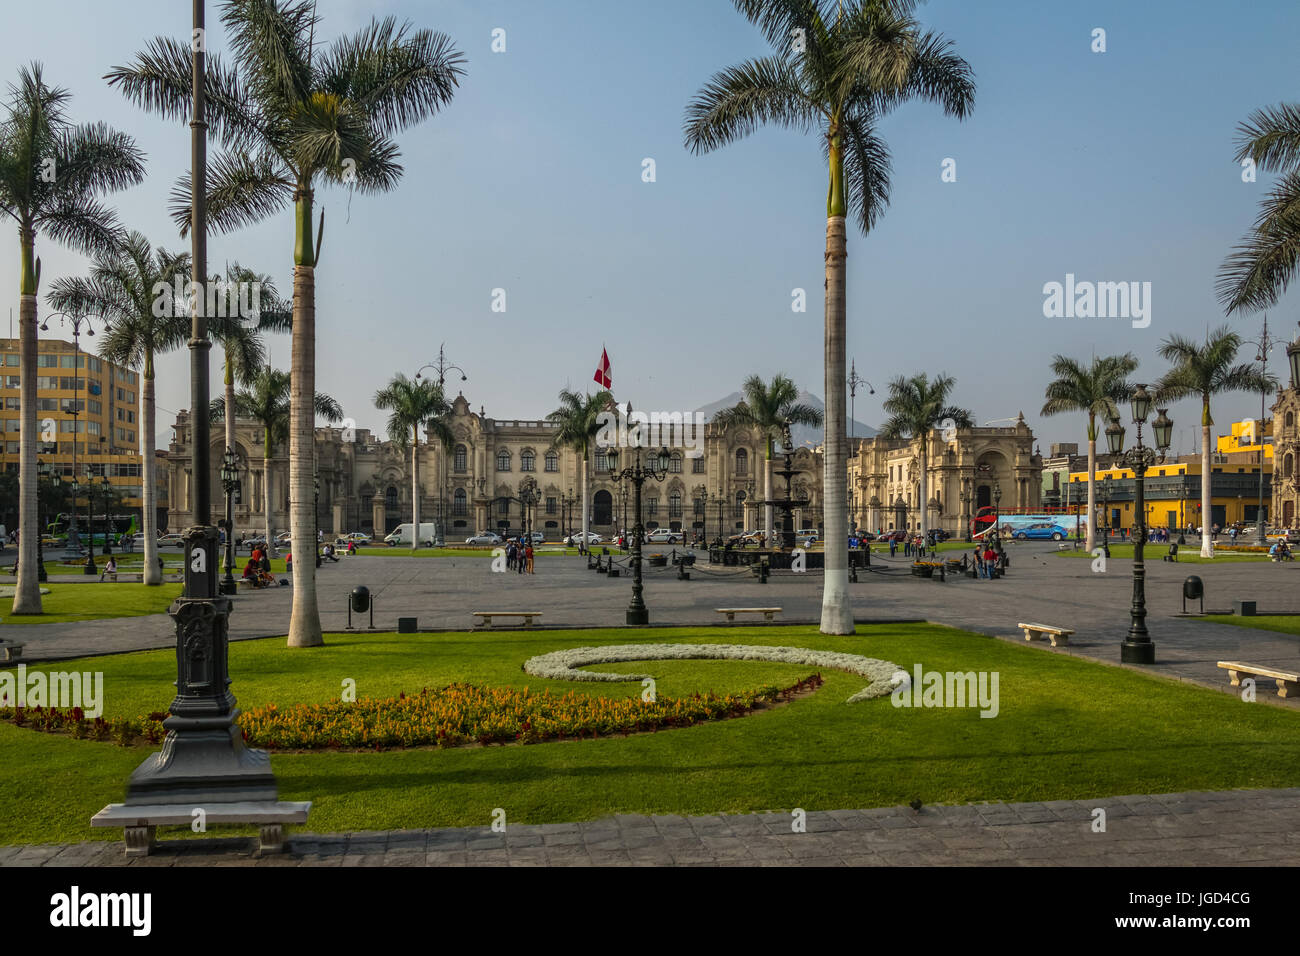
(550,506)
(47,361)
(675,464)
(459,503)
(460,460)
(652,507)
(503,460)
(527,460)
(1288,463)
(699,506)
(602,462)
(503,506)
(552,461)
(739,510)
(742,463)
(675,505)
(697,465)
(390,499)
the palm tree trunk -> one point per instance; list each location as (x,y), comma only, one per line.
(151,574)
(415,490)
(304,623)
(768,517)
(268,450)
(837,612)
(925,489)
(1207,479)
(27,593)
(1092,492)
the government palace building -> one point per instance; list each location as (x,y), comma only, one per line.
(475,485)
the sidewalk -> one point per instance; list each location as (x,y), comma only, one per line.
(1228,828)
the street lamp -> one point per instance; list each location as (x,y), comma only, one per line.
(108,492)
(702,509)
(965,508)
(1105,504)
(43,469)
(637,474)
(1138,647)
(997,515)
(229,479)
(528,497)
(89,567)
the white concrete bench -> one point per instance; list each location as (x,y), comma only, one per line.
(731,612)
(485,617)
(139,823)
(11,650)
(1057,635)
(1288,683)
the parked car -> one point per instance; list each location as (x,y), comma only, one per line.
(356,537)
(283,538)
(592,538)
(253,543)
(537,537)
(172,540)
(664,536)
(485,537)
(403,534)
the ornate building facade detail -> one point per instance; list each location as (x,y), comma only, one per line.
(1286,459)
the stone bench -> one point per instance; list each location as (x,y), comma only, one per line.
(1057,635)
(140,822)
(11,650)
(1288,683)
(731,612)
(485,617)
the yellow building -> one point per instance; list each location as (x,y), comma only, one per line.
(88,414)
(1245,439)
(1172,492)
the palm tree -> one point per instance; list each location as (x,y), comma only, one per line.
(243,346)
(1096,389)
(916,406)
(289,120)
(1205,371)
(1261,267)
(132,288)
(578,422)
(768,408)
(839,69)
(412,404)
(265,400)
(51,173)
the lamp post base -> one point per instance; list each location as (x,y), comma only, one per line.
(638,615)
(228,586)
(1137,652)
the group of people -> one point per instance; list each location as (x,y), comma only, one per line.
(1281,551)
(986,559)
(258,570)
(519,556)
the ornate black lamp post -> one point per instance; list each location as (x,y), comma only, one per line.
(43,469)
(89,567)
(528,497)
(1105,505)
(229,478)
(1138,647)
(637,474)
(997,515)
(702,509)
(108,494)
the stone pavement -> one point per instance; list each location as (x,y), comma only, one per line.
(1041,586)
(1228,828)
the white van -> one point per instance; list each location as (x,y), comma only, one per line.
(402,534)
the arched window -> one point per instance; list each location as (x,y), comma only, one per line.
(1288,463)
(675,464)
(503,460)
(739,510)
(390,498)
(552,461)
(742,463)
(527,460)
(1290,421)
(602,462)
(460,504)
(459,464)
(675,501)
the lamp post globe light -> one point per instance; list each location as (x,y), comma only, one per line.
(1138,647)
(637,474)
(229,478)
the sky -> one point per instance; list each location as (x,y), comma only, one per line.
(1112,166)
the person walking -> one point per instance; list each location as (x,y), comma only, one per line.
(520,561)
(528,552)
(893,545)
(510,555)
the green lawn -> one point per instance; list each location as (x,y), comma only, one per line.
(1067,728)
(1287,624)
(93,600)
(1187,554)
(544,550)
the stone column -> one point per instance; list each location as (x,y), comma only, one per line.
(339,520)
(378,516)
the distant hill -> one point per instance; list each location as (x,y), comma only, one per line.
(800,433)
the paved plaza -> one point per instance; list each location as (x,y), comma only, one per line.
(1040,586)
(1234,828)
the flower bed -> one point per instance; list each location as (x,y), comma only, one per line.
(454,716)
(561,665)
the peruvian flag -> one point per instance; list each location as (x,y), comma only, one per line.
(602,377)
